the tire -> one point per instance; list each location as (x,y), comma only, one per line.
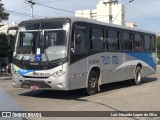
(138,77)
(3,69)
(92,86)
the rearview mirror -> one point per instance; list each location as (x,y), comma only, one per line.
(78,39)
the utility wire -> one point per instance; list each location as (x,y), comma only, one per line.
(73,12)
(49,1)
(139,12)
(15,6)
(23,14)
(20,7)
(116,16)
(54,8)
(143,17)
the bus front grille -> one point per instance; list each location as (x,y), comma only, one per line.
(28,83)
(34,77)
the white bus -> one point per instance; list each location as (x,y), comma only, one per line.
(73,53)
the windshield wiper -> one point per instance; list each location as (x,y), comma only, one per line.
(45,53)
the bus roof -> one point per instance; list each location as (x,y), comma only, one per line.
(87,20)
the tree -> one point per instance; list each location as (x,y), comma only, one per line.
(158,44)
(3,15)
(3,40)
(158,48)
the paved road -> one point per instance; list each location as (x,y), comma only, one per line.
(113,97)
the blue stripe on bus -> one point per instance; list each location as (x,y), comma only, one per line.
(23,72)
(149,58)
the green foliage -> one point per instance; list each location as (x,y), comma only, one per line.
(3,40)
(158,44)
(158,49)
(3,15)
(6,42)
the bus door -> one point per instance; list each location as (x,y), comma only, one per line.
(78,60)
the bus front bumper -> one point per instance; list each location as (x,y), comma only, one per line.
(61,83)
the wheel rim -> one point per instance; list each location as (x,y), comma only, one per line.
(92,83)
(3,69)
(138,76)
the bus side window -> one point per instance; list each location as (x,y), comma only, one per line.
(147,43)
(97,41)
(137,42)
(79,39)
(127,41)
(113,40)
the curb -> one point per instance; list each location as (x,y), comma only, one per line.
(5,78)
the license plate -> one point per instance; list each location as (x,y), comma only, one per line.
(34,87)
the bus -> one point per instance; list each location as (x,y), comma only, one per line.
(70,53)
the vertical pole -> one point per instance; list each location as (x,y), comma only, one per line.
(32,10)
(110,11)
(31,3)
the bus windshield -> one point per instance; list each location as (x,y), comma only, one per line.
(47,38)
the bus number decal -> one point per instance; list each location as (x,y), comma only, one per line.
(109,59)
(114,60)
(106,59)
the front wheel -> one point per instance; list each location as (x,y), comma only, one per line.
(3,69)
(92,86)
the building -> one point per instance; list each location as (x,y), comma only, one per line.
(4,28)
(131,24)
(105,12)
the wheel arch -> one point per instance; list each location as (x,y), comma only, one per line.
(138,65)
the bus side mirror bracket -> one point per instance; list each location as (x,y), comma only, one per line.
(14,54)
(78,39)
(72,49)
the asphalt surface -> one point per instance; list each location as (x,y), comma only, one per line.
(120,96)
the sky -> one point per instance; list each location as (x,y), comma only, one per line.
(143,12)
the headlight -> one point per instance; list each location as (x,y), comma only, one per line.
(58,73)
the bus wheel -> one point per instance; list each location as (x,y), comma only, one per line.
(92,86)
(3,69)
(138,77)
